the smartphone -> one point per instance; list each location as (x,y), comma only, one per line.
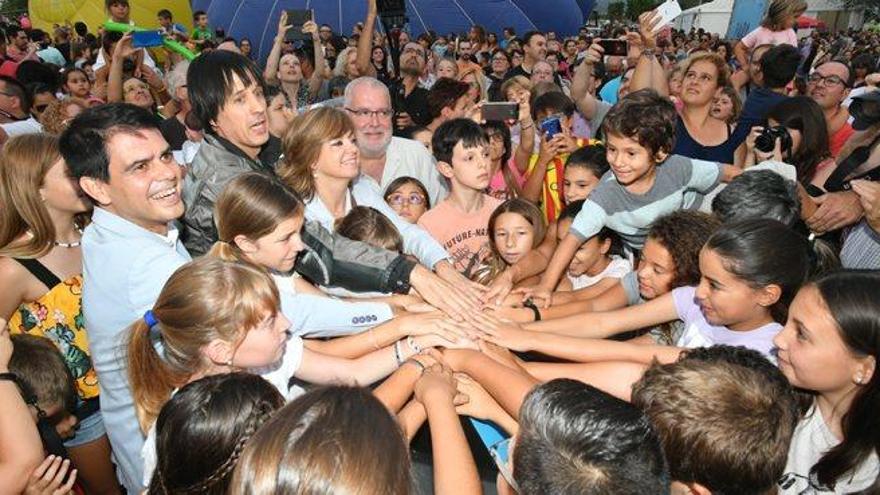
(614,47)
(500,111)
(668,11)
(146,39)
(551,126)
(297,19)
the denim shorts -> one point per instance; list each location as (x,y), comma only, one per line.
(89,429)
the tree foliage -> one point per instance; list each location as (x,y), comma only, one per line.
(10,7)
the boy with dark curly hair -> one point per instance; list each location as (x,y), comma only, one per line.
(646,182)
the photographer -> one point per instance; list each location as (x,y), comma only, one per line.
(796,134)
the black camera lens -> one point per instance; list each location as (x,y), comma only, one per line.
(766,141)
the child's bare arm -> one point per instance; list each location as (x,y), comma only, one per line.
(558,263)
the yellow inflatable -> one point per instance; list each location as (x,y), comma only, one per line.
(45,13)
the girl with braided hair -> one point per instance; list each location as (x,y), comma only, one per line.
(202,430)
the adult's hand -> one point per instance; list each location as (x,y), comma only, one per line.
(869,197)
(836,210)
(441,294)
(123,48)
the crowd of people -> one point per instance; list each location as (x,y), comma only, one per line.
(335,270)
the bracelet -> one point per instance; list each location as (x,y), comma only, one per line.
(8,376)
(397,354)
(531,305)
(411,342)
(417,363)
(650,52)
(524,128)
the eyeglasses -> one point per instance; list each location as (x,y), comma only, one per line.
(832,80)
(361,113)
(414,199)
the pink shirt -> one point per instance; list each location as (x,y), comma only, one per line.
(764,36)
(497,186)
(465,236)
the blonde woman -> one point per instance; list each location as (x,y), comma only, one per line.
(41,224)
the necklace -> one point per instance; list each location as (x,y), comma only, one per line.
(74,244)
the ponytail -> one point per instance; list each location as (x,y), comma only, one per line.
(205,300)
(225,251)
(764,252)
(150,378)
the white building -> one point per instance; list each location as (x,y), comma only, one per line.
(714,17)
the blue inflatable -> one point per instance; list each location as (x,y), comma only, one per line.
(258,19)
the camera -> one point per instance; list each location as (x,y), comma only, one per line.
(766,141)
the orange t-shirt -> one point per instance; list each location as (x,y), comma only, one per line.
(465,236)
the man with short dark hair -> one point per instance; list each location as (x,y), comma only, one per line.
(15,107)
(829,85)
(535,49)
(20,48)
(130,249)
(448,99)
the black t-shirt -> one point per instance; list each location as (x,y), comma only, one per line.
(415,104)
(174,132)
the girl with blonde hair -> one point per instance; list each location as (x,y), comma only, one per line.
(216,316)
(41,223)
(776,28)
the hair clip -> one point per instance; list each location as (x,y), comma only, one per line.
(153,325)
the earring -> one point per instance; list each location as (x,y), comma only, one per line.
(859,377)
(229,363)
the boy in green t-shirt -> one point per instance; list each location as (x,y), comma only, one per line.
(202,32)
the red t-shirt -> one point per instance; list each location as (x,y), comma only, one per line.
(838,139)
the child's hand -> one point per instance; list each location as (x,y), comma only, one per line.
(437,385)
(540,296)
(501,355)
(519,315)
(123,48)
(48,478)
(508,334)
(547,150)
(479,403)
(432,323)
(564,143)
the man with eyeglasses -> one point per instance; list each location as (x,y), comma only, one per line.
(829,85)
(385,157)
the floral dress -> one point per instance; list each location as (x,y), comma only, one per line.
(57,315)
